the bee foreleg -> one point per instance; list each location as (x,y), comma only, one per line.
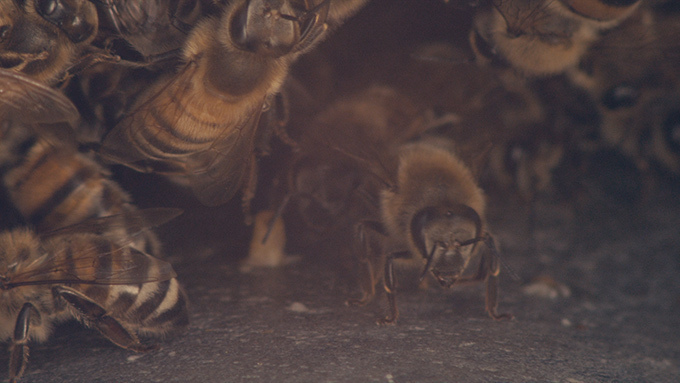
(95,316)
(390,285)
(491,268)
(19,349)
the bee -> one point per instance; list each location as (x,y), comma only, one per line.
(369,173)
(200,125)
(543,37)
(432,217)
(47,39)
(328,188)
(636,94)
(46,178)
(70,201)
(91,273)
(154,29)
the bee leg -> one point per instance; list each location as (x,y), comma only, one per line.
(389,285)
(94,315)
(367,277)
(19,348)
(490,267)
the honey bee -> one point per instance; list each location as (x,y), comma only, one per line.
(154,29)
(328,188)
(433,217)
(369,172)
(543,37)
(200,125)
(73,205)
(636,94)
(91,273)
(46,39)
(46,178)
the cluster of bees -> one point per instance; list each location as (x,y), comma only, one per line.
(381,129)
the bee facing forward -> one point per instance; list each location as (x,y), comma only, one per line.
(201,124)
(43,40)
(544,37)
(99,279)
(433,217)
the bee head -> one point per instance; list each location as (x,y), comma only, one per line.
(446,237)
(274,27)
(76,18)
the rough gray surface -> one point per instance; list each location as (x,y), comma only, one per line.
(620,322)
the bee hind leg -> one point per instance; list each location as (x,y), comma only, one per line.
(95,316)
(19,349)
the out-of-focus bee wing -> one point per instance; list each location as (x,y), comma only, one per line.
(121,266)
(133,223)
(219,172)
(32,102)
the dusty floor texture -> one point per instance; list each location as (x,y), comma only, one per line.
(618,322)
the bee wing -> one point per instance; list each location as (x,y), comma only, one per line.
(215,171)
(133,222)
(120,266)
(219,172)
(118,146)
(32,102)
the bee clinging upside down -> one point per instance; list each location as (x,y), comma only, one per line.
(201,124)
(44,39)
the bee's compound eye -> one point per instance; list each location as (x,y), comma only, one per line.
(46,7)
(621,96)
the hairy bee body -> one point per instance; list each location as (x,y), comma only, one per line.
(53,185)
(429,175)
(201,125)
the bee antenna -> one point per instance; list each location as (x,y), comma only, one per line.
(489,242)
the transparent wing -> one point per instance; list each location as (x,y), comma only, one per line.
(215,165)
(88,264)
(31,102)
(131,222)
(219,172)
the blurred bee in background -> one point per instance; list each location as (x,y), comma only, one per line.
(47,40)
(88,272)
(543,37)
(322,193)
(45,177)
(200,126)
(632,79)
